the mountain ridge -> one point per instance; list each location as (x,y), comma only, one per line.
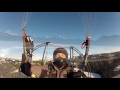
(113,40)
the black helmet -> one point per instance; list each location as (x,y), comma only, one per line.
(60,61)
(60,50)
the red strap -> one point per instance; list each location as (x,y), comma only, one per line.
(23,32)
(88,42)
(30,69)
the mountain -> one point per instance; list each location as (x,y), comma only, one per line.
(58,39)
(10,32)
(9,37)
(113,40)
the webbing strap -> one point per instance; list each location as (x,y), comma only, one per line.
(59,71)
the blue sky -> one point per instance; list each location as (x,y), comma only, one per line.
(65,24)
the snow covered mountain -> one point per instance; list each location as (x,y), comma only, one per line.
(102,41)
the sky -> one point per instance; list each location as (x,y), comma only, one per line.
(65,24)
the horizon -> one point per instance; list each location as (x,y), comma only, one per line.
(15,50)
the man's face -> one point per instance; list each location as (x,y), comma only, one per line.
(60,55)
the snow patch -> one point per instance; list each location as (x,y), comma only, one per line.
(75,69)
(92,75)
(88,74)
(117,68)
(15,71)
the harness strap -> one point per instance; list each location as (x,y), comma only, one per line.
(60,71)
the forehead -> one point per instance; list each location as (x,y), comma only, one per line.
(60,54)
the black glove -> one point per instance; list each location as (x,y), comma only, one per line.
(79,74)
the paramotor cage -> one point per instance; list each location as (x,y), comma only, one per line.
(46,44)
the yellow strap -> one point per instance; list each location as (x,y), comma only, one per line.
(33,76)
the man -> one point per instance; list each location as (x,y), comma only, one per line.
(56,69)
(60,68)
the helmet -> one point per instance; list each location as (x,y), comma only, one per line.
(60,61)
(60,50)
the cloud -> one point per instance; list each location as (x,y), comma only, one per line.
(7,52)
(4,52)
(10,32)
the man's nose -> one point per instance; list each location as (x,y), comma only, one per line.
(59,55)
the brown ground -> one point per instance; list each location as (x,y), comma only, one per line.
(7,71)
(36,69)
(104,68)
